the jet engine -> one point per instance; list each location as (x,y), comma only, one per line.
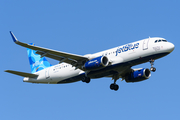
(138,75)
(96,63)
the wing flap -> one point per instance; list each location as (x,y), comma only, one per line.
(23,74)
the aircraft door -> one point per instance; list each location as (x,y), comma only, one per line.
(47,73)
(145,44)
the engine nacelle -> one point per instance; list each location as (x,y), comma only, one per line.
(96,63)
(138,75)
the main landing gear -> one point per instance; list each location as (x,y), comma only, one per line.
(86,79)
(114,86)
(153,69)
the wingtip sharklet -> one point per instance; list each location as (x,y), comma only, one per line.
(13,37)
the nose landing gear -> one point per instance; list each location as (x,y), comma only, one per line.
(153,69)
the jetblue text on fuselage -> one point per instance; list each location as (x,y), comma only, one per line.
(127,47)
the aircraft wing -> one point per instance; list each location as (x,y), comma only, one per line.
(73,59)
(23,74)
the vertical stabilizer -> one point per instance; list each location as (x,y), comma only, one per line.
(37,62)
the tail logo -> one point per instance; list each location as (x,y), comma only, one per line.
(36,62)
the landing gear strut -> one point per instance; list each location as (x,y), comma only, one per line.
(114,86)
(153,69)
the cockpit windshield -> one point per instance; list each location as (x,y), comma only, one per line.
(164,40)
(161,40)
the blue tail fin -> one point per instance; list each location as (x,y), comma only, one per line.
(36,62)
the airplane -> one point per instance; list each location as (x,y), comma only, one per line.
(113,63)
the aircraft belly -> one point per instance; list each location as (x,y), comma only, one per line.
(64,74)
(113,69)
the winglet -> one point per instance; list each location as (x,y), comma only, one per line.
(13,37)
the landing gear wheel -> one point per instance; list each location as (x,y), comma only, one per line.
(153,69)
(114,87)
(86,79)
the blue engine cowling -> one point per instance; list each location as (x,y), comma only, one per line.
(96,63)
(138,75)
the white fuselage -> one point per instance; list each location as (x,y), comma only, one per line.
(132,54)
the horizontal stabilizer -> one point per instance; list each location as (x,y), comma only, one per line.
(23,74)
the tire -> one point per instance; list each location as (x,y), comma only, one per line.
(88,80)
(153,69)
(112,86)
(116,87)
(83,79)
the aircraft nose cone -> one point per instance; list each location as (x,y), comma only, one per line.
(171,47)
